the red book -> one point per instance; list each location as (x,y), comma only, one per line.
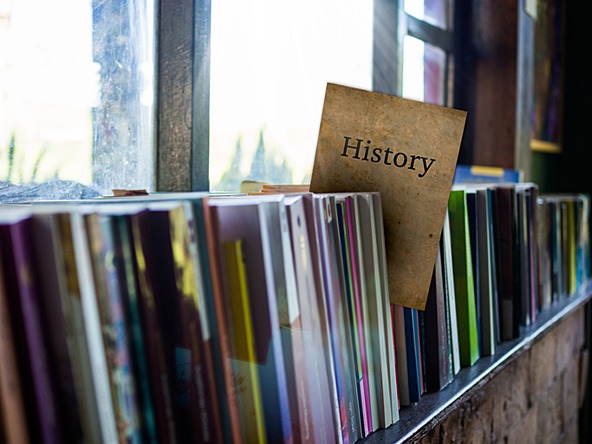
(231,419)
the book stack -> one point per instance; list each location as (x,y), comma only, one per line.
(195,318)
(506,254)
(199,318)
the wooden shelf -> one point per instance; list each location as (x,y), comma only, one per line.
(417,420)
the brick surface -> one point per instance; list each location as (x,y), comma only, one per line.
(478,418)
(533,400)
(580,330)
(569,339)
(550,415)
(571,435)
(511,401)
(525,432)
(451,428)
(543,364)
(433,436)
(571,393)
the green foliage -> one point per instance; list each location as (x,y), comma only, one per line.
(15,159)
(265,167)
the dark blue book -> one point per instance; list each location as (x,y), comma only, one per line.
(413,354)
(465,174)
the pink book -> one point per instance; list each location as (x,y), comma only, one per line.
(355,267)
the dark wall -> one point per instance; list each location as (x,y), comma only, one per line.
(570,171)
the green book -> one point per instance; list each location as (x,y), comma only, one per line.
(464,284)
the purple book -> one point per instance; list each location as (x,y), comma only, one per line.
(16,237)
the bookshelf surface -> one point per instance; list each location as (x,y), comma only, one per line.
(416,420)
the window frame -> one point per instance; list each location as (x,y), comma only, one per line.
(183,80)
(182,95)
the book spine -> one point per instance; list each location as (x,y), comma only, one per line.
(355,319)
(12,403)
(115,335)
(202,388)
(43,385)
(230,416)
(244,360)
(53,302)
(127,275)
(382,272)
(160,375)
(352,207)
(325,219)
(272,373)
(463,279)
(92,327)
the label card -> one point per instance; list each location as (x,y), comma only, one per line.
(406,150)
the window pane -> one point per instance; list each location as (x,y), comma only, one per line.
(270,64)
(431,11)
(76,92)
(424,71)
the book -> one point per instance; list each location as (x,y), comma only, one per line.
(160,359)
(448,277)
(407,150)
(473,174)
(12,395)
(463,278)
(486,272)
(505,227)
(244,359)
(325,219)
(127,275)
(246,219)
(436,346)
(354,248)
(23,285)
(398,320)
(355,314)
(471,201)
(331,421)
(387,311)
(92,327)
(544,247)
(113,326)
(46,247)
(414,359)
(229,401)
(375,300)
(193,347)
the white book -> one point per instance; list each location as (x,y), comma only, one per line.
(449,280)
(92,326)
(387,315)
(486,277)
(375,300)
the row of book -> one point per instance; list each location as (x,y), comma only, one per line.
(194,318)
(506,254)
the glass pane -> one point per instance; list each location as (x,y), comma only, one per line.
(270,64)
(434,12)
(76,92)
(424,71)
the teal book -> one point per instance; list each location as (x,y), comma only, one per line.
(464,285)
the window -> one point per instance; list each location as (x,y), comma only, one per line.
(76,92)
(270,64)
(238,94)
(427,51)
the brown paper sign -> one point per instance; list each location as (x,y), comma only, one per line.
(408,151)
